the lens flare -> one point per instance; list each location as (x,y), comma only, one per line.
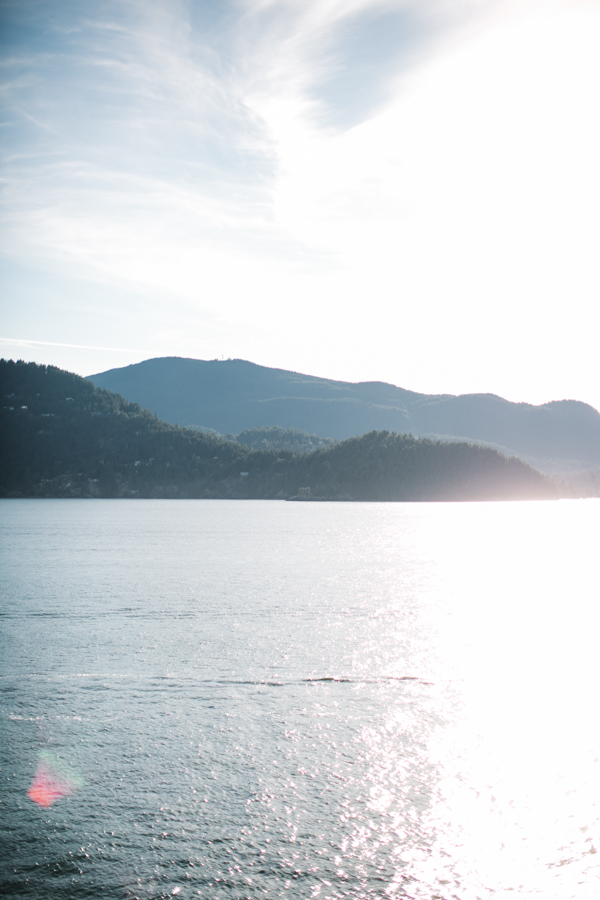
(53,779)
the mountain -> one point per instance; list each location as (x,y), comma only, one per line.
(235,395)
(63,437)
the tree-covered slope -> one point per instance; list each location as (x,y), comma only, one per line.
(272,437)
(385,466)
(234,395)
(62,436)
(59,432)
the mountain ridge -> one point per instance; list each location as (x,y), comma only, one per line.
(61,436)
(557,437)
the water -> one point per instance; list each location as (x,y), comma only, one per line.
(303,700)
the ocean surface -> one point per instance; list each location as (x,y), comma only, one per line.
(249,699)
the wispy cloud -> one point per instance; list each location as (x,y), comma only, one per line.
(158,112)
(339,59)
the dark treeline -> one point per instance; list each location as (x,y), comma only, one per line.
(63,437)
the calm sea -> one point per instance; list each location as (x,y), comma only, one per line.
(303,700)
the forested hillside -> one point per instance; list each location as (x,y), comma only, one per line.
(63,437)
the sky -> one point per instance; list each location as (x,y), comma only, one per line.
(367,190)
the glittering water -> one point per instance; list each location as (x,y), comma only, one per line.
(303,700)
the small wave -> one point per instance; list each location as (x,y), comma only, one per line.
(324,679)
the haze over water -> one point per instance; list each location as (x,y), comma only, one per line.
(268,699)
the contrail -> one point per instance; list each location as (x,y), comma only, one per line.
(26,343)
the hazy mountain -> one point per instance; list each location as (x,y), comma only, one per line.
(63,437)
(235,395)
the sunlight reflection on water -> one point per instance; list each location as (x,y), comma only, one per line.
(520,779)
(328,700)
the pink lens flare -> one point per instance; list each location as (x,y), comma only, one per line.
(52,780)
